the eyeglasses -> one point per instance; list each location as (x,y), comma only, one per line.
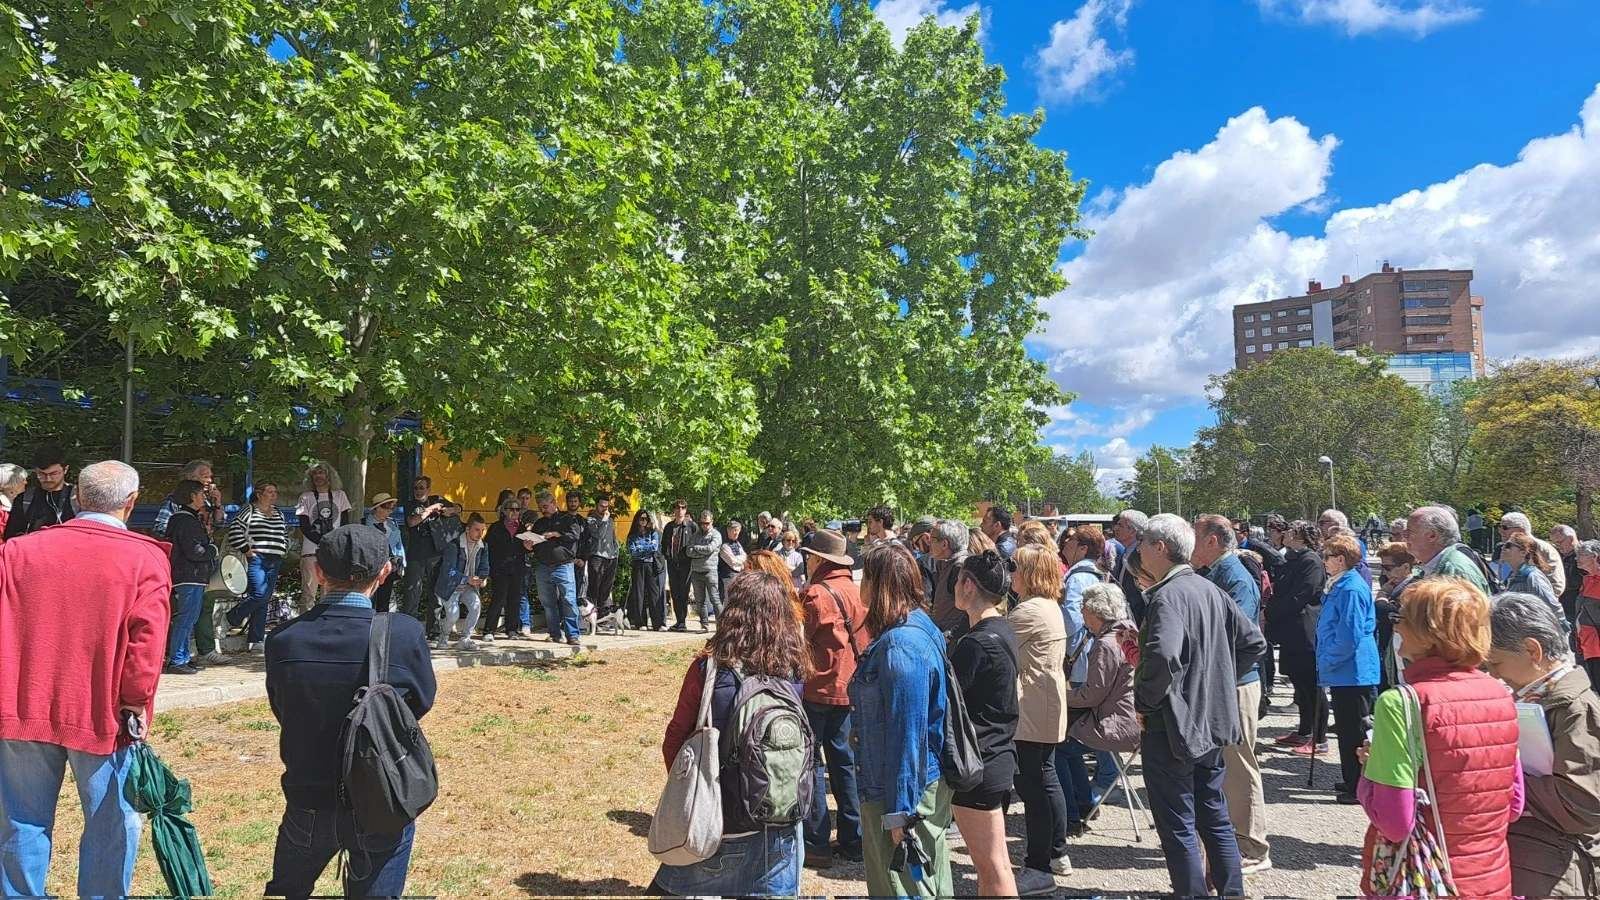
(52,472)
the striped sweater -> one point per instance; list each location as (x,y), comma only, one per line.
(265,533)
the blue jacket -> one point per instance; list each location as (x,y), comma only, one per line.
(898,697)
(1079,578)
(1230,574)
(452,567)
(394,527)
(1347,645)
(315,663)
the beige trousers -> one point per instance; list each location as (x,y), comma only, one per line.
(1241,782)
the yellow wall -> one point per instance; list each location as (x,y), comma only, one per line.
(476,486)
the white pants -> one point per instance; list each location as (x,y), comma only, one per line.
(469,596)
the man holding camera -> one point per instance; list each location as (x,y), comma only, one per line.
(428,532)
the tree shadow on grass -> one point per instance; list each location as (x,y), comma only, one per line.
(638,822)
(549,884)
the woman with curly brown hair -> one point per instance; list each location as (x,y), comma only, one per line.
(756,635)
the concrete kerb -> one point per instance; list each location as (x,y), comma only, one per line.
(246,680)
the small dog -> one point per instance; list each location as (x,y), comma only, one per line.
(615,622)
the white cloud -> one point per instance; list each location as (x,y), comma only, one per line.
(1147,318)
(1078,56)
(1114,464)
(1358,17)
(900,16)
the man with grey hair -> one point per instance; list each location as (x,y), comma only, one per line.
(948,547)
(13,481)
(1432,534)
(1515,523)
(1397,531)
(1216,556)
(1195,645)
(1565,540)
(1126,530)
(199,470)
(553,557)
(77,681)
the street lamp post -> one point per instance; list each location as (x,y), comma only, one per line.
(1157,457)
(1333,496)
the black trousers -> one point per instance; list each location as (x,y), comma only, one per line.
(678,585)
(602,581)
(1351,706)
(505,601)
(420,575)
(1269,673)
(1301,668)
(1044,806)
(385,592)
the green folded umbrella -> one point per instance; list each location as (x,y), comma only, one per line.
(156,792)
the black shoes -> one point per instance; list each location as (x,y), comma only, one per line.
(184,669)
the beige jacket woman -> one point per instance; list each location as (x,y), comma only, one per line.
(1555,844)
(1041,683)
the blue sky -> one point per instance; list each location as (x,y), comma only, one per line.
(1237,148)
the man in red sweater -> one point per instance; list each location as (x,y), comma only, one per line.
(83,627)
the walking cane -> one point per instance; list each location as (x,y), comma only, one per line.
(1316,716)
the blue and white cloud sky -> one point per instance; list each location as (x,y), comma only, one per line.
(1238,148)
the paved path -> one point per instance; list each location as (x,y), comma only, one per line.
(244,676)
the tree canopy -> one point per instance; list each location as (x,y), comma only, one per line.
(671,245)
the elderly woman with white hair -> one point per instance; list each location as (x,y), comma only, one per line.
(1102,717)
(1552,844)
(13,481)
(323,507)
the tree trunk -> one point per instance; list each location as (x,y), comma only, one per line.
(1585,514)
(355,448)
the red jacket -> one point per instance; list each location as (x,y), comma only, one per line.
(1470,722)
(84,611)
(833,653)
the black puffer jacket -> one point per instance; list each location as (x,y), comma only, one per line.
(193,554)
(1296,598)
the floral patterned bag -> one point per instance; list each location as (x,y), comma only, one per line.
(1419,865)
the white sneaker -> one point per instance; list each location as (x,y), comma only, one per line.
(1061,865)
(487,639)
(467,644)
(441,644)
(214,658)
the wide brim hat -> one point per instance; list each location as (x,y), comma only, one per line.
(380,499)
(828,544)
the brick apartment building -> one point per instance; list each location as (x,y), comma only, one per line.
(1428,319)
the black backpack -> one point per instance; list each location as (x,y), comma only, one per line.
(386,774)
(1488,572)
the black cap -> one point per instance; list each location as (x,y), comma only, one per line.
(353,553)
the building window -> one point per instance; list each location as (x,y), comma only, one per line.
(1425,339)
(1250,318)
(1266,348)
(1413,321)
(1283,329)
(1283,345)
(1249,332)
(1426,302)
(1303,326)
(1283,313)
(1249,348)
(1305,344)
(1412,287)
(1303,312)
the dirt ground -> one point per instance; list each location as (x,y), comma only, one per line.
(549,773)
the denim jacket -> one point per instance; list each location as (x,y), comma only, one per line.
(898,697)
(394,528)
(452,574)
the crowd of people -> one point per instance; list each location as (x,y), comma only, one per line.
(942,673)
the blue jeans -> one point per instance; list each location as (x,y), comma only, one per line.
(186,600)
(30,782)
(263,572)
(830,725)
(1074,778)
(308,839)
(557,590)
(1105,772)
(765,864)
(1190,809)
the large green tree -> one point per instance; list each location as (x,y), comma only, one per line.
(1537,434)
(1275,421)
(1064,482)
(876,215)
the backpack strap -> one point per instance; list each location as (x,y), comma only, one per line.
(378,650)
(849,627)
(706,692)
